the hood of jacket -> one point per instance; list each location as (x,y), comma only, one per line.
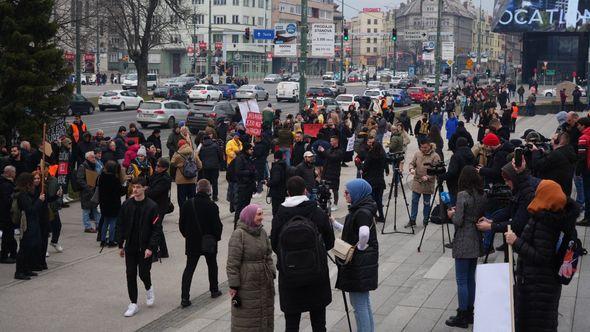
(293,201)
(365,203)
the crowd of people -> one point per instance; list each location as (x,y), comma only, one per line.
(493,181)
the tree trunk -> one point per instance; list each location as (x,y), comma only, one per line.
(141,64)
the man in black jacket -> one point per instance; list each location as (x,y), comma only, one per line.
(460,132)
(8,249)
(194,227)
(211,156)
(277,182)
(492,172)
(332,167)
(461,158)
(246,176)
(558,164)
(159,192)
(121,144)
(314,297)
(306,171)
(298,149)
(260,155)
(139,229)
(155,139)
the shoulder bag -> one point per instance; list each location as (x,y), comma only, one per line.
(344,250)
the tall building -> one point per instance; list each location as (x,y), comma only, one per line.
(369,38)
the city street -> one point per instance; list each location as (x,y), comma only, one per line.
(84,289)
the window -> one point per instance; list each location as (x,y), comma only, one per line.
(244,40)
(261,21)
(253,20)
(375,49)
(368,50)
(368,40)
(375,40)
(217,38)
(219,2)
(261,3)
(198,19)
(235,19)
(375,30)
(369,21)
(246,3)
(236,2)
(198,2)
(375,21)
(235,39)
(245,19)
(368,30)
(219,19)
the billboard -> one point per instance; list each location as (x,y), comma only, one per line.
(322,40)
(285,40)
(540,15)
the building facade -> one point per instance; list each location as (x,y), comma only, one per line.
(370,38)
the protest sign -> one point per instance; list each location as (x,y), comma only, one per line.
(492,298)
(350,145)
(254,124)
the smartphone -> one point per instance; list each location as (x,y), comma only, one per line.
(518,157)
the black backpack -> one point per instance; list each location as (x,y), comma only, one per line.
(302,254)
(189,169)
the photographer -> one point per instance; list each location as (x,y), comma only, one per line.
(332,167)
(492,172)
(373,167)
(558,164)
(422,183)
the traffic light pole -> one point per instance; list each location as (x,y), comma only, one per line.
(208,71)
(78,51)
(303,57)
(342,45)
(195,41)
(437,50)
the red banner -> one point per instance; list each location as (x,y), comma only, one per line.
(312,129)
(254,124)
(69,56)
(202,45)
(89,57)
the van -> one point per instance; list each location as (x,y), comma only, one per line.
(288,91)
(130,82)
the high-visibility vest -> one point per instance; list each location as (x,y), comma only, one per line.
(76,132)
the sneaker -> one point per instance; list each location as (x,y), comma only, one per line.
(21,276)
(334,208)
(150,297)
(185,303)
(132,309)
(411,223)
(17,232)
(47,254)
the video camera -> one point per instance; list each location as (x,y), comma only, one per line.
(324,195)
(394,157)
(437,169)
(499,192)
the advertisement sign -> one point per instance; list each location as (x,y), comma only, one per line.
(285,50)
(322,40)
(448,50)
(254,124)
(540,15)
(371,10)
(285,33)
(69,56)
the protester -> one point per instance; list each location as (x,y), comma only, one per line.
(154,138)
(87,187)
(284,142)
(134,136)
(8,249)
(374,166)
(307,172)
(467,242)
(138,233)
(232,148)
(121,144)
(558,164)
(185,186)
(201,227)
(172,145)
(277,182)
(250,274)
(492,172)
(332,168)
(159,191)
(246,179)
(451,125)
(422,183)
(211,156)
(260,153)
(54,196)
(110,190)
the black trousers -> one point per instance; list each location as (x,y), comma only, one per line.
(276,203)
(45,230)
(317,317)
(213,176)
(163,246)
(8,247)
(189,270)
(56,228)
(133,261)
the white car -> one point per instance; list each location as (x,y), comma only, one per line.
(395,80)
(375,93)
(273,78)
(165,113)
(346,100)
(430,80)
(130,82)
(553,92)
(328,76)
(119,99)
(251,92)
(204,92)
(375,85)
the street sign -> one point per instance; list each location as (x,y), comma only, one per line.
(442,33)
(448,50)
(450,62)
(469,64)
(265,34)
(413,35)
(550,72)
(411,71)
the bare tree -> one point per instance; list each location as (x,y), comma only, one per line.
(143,25)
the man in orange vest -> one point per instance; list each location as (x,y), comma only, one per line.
(75,132)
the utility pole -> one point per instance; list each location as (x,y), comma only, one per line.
(479,36)
(437,50)
(97,43)
(78,55)
(268,67)
(194,38)
(209,52)
(303,57)
(342,45)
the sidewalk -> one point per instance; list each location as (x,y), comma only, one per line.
(86,290)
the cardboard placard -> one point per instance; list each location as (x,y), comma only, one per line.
(91,177)
(350,143)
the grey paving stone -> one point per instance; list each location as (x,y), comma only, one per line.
(420,293)
(442,266)
(442,296)
(566,313)
(424,320)
(397,319)
(387,307)
(400,275)
(581,316)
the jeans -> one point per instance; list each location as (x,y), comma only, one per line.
(213,176)
(55,228)
(317,317)
(86,217)
(109,223)
(189,270)
(521,98)
(134,260)
(361,302)
(465,275)
(286,155)
(185,192)
(425,210)
(579,183)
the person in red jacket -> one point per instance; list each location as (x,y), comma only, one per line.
(584,157)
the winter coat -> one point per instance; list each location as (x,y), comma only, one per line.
(194,225)
(157,143)
(297,154)
(86,191)
(84,146)
(110,192)
(451,127)
(150,230)
(245,172)
(303,298)
(307,172)
(537,290)
(467,241)
(333,165)
(373,168)
(405,121)
(210,154)
(135,137)
(461,158)
(285,138)
(6,191)
(232,148)
(436,119)
(418,185)
(159,191)
(251,271)
(396,143)
(130,154)
(517,214)
(361,273)
(558,165)
(260,155)
(172,142)
(178,161)
(492,173)
(278,180)
(121,147)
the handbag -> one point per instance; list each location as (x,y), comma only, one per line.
(343,250)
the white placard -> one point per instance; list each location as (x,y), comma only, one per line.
(350,144)
(285,50)
(154,58)
(249,105)
(322,40)
(386,139)
(492,298)
(448,50)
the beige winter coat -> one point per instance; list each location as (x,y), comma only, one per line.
(418,185)
(251,270)
(178,162)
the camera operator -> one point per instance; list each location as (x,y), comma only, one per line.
(332,167)
(492,172)
(422,184)
(461,158)
(373,167)
(558,164)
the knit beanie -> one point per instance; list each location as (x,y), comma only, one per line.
(491,140)
(248,213)
(358,189)
(141,151)
(548,197)
(561,117)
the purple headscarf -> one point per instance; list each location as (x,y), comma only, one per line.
(248,213)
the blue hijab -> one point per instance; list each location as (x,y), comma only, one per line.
(358,189)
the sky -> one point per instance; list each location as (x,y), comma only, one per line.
(352,7)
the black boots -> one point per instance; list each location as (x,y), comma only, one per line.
(460,320)
(470,315)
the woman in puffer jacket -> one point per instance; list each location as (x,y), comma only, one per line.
(538,289)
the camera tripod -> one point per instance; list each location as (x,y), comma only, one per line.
(437,191)
(396,182)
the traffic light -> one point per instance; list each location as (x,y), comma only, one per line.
(247,33)
(394,34)
(345,34)
(488,73)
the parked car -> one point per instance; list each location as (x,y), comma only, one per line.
(329,103)
(288,91)
(319,92)
(80,105)
(198,116)
(400,97)
(553,92)
(228,90)
(294,77)
(404,84)
(130,82)
(375,85)
(119,99)
(336,86)
(165,113)
(273,78)
(430,80)
(395,80)
(345,100)
(328,76)
(375,93)
(204,92)
(184,82)
(354,77)
(417,94)
(251,92)
(171,93)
